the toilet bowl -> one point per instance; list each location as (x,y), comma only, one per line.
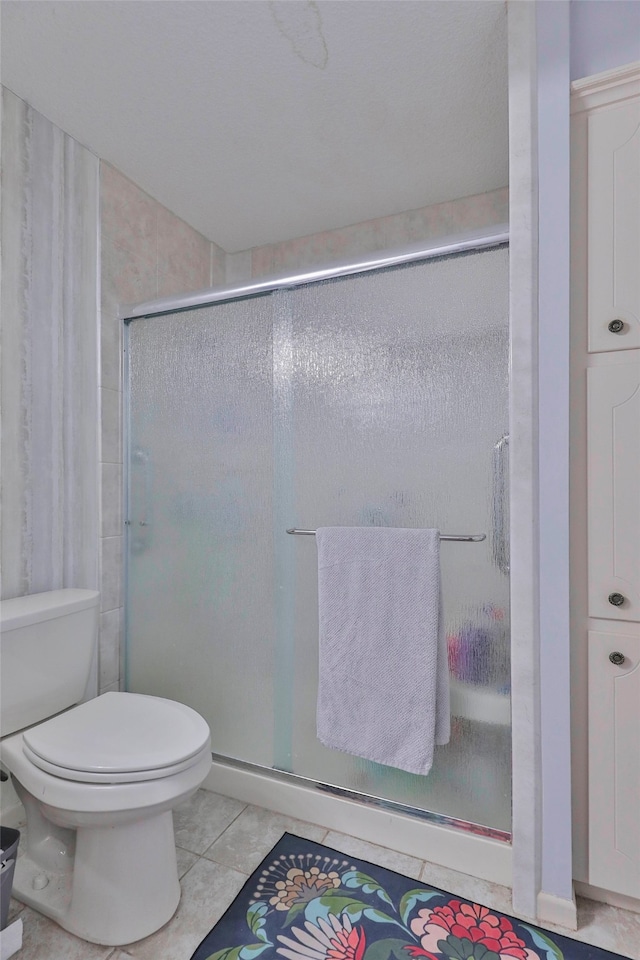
(98,782)
(109,875)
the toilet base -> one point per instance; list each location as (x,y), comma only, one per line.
(133,893)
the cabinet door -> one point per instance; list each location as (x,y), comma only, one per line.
(614,490)
(614,764)
(614,226)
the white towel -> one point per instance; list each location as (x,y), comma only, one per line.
(383,691)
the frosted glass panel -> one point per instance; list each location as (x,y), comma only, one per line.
(399,394)
(377,399)
(200,577)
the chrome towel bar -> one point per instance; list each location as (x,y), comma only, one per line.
(464,537)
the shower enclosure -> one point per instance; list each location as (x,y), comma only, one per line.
(375,396)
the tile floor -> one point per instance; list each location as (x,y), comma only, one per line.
(221,841)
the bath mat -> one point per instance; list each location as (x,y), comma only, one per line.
(308,902)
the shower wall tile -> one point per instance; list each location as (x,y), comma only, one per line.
(184,256)
(126,277)
(218,266)
(111,500)
(110,573)
(261,260)
(111,334)
(111,426)
(129,216)
(484,210)
(385,233)
(109,662)
(324,247)
(239,267)
(427,223)
(50,477)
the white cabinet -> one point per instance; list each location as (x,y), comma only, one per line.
(614,763)
(605,479)
(613,472)
(613,199)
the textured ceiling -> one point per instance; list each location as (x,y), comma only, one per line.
(260,121)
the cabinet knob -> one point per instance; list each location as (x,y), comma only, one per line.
(616,326)
(616,657)
(616,599)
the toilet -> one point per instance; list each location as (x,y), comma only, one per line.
(98,777)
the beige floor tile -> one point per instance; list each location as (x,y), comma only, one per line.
(201,819)
(608,927)
(235,839)
(185,859)
(470,888)
(400,862)
(207,890)
(251,836)
(42,939)
(15,909)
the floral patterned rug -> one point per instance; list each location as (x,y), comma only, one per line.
(308,902)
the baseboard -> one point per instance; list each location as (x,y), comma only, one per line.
(607,896)
(558,910)
(468,853)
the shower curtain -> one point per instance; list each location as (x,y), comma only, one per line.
(378,398)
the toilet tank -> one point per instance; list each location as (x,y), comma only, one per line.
(47,642)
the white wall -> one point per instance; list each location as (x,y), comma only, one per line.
(553,44)
(604,34)
(523,416)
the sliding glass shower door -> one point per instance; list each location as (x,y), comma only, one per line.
(374,399)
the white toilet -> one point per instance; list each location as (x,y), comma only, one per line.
(98,779)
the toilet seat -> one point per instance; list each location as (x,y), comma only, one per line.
(118,738)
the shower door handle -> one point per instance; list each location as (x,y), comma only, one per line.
(500,493)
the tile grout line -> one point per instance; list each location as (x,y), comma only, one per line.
(201,855)
(246,807)
(220,835)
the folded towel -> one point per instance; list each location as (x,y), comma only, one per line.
(383,691)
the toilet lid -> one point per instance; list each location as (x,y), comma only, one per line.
(121,735)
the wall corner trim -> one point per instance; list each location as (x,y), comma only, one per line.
(557,910)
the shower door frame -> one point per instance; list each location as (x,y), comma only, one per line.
(470,242)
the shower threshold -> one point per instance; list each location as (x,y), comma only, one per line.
(370,800)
